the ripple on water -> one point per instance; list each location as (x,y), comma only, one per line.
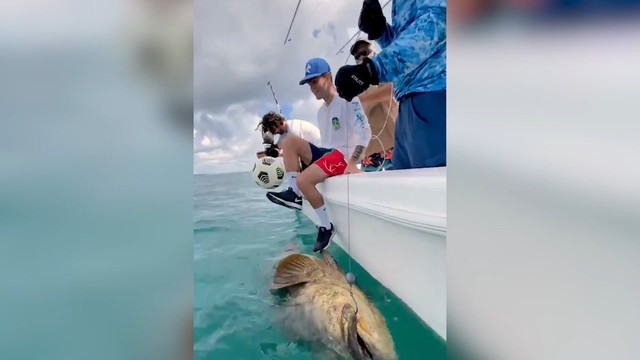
(216,339)
(281,351)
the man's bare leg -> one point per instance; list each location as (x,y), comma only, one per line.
(294,149)
(307,181)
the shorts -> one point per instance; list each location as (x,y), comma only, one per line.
(421,131)
(316,154)
(331,161)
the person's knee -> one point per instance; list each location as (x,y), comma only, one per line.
(305,177)
(304,181)
(301,180)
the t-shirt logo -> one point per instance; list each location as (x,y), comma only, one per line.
(335,122)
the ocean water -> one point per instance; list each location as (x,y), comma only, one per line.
(238,237)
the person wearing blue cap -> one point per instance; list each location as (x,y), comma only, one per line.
(413,57)
(344,135)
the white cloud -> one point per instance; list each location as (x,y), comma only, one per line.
(226,141)
(238,48)
(306,109)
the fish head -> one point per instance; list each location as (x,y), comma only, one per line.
(365,331)
(367,336)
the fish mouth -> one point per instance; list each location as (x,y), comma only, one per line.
(364,347)
(355,342)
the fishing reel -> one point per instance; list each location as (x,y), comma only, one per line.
(270,149)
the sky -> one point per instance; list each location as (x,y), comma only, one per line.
(239,46)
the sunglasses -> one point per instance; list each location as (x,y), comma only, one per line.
(361,53)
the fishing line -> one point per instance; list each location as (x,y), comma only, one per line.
(350,277)
(391,101)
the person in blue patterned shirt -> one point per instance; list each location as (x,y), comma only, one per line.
(413,57)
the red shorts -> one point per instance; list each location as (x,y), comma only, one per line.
(332,163)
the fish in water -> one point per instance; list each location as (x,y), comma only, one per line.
(320,310)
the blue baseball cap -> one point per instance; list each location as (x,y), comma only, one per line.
(314,68)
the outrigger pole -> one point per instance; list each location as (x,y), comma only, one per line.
(274,96)
(290,25)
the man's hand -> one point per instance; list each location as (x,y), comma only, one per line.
(352,168)
(352,165)
(272,151)
(371,20)
(352,80)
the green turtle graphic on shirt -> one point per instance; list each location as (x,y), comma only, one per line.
(335,122)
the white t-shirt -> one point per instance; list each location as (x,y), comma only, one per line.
(303,129)
(343,125)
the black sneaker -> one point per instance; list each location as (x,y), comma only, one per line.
(324,238)
(287,198)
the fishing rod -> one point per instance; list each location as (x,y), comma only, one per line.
(290,25)
(358,33)
(274,96)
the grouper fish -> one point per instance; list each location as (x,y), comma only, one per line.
(318,309)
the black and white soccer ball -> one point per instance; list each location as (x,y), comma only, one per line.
(268,172)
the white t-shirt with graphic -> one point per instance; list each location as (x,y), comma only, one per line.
(303,129)
(343,125)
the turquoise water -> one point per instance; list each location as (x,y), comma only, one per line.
(238,237)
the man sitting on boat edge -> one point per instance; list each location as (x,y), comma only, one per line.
(273,124)
(344,132)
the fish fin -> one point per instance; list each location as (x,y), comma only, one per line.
(329,260)
(357,347)
(294,269)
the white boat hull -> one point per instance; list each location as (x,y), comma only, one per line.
(397,226)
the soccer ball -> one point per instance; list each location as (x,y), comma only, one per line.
(268,172)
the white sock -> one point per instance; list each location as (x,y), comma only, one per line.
(291,178)
(323,216)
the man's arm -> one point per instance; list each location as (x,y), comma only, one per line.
(387,37)
(360,125)
(414,45)
(356,156)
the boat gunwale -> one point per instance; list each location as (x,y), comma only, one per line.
(406,218)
